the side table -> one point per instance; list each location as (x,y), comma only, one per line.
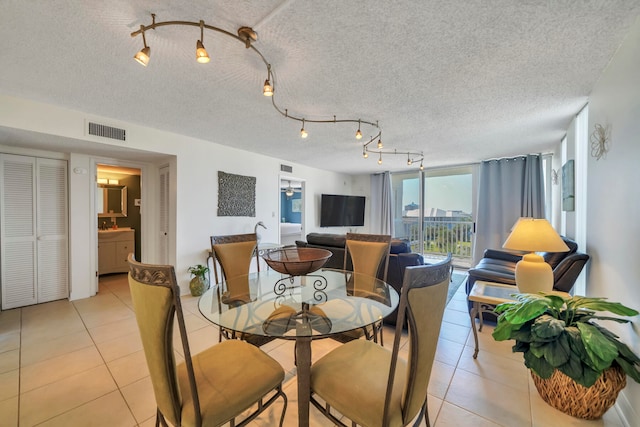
(485,296)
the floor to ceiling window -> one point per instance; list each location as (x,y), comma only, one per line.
(434,211)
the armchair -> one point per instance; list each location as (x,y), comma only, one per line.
(500,266)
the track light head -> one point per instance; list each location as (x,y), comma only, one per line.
(143,56)
(201,53)
(267,89)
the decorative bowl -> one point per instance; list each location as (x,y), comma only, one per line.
(297,261)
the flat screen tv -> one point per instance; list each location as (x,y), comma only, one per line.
(341,211)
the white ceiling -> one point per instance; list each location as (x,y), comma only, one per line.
(461,81)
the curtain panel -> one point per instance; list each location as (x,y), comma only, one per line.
(508,189)
(381,204)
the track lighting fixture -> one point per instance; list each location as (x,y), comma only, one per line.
(421,167)
(201,53)
(409,160)
(145,53)
(247,36)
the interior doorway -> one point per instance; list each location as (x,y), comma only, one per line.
(292,206)
(118,200)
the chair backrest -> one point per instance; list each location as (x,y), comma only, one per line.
(234,253)
(156,299)
(367,253)
(422,302)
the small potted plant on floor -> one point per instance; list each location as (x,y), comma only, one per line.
(199,283)
(577,365)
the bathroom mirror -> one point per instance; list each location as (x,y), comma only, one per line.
(111,201)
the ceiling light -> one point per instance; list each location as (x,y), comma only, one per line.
(289,191)
(409,162)
(380,143)
(365,154)
(143,56)
(103,181)
(267,89)
(421,167)
(358,133)
(303,133)
(201,53)
(380,159)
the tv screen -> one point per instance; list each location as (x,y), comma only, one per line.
(341,211)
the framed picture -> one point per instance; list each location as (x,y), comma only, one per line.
(296,205)
(568,187)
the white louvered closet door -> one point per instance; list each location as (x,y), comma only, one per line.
(52,234)
(19,270)
(34,235)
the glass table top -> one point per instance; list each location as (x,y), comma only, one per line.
(317,305)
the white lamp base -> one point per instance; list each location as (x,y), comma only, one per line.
(533,274)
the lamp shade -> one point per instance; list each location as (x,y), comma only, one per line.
(534,235)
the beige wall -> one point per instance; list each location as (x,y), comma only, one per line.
(613,199)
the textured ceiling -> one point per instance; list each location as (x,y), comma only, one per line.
(461,81)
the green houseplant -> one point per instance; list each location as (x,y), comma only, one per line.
(199,283)
(560,342)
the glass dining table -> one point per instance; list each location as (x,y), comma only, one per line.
(301,308)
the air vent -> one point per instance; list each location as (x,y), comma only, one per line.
(107,131)
(286,168)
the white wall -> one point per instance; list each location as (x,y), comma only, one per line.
(195,164)
(613,209)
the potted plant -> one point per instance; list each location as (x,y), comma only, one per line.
(577,365)
(199,283)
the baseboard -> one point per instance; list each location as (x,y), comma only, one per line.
(625,410)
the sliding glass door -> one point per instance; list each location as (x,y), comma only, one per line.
(433,210)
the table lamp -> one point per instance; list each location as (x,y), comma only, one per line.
(532,235)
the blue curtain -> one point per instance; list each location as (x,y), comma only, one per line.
(508,189)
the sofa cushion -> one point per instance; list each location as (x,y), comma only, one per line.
(400,247)
(327,239)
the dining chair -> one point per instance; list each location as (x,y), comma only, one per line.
(233,254)
(369,255)
(210,388)
(371,385)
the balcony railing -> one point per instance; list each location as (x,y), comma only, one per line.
(441,236)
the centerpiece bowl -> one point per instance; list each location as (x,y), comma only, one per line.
(297,261)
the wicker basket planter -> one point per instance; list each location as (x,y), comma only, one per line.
(589,403)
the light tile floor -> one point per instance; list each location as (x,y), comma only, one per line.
(81,363)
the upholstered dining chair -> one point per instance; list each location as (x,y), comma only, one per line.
(368,254)
(210,388)
(234,253)
(373,386)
